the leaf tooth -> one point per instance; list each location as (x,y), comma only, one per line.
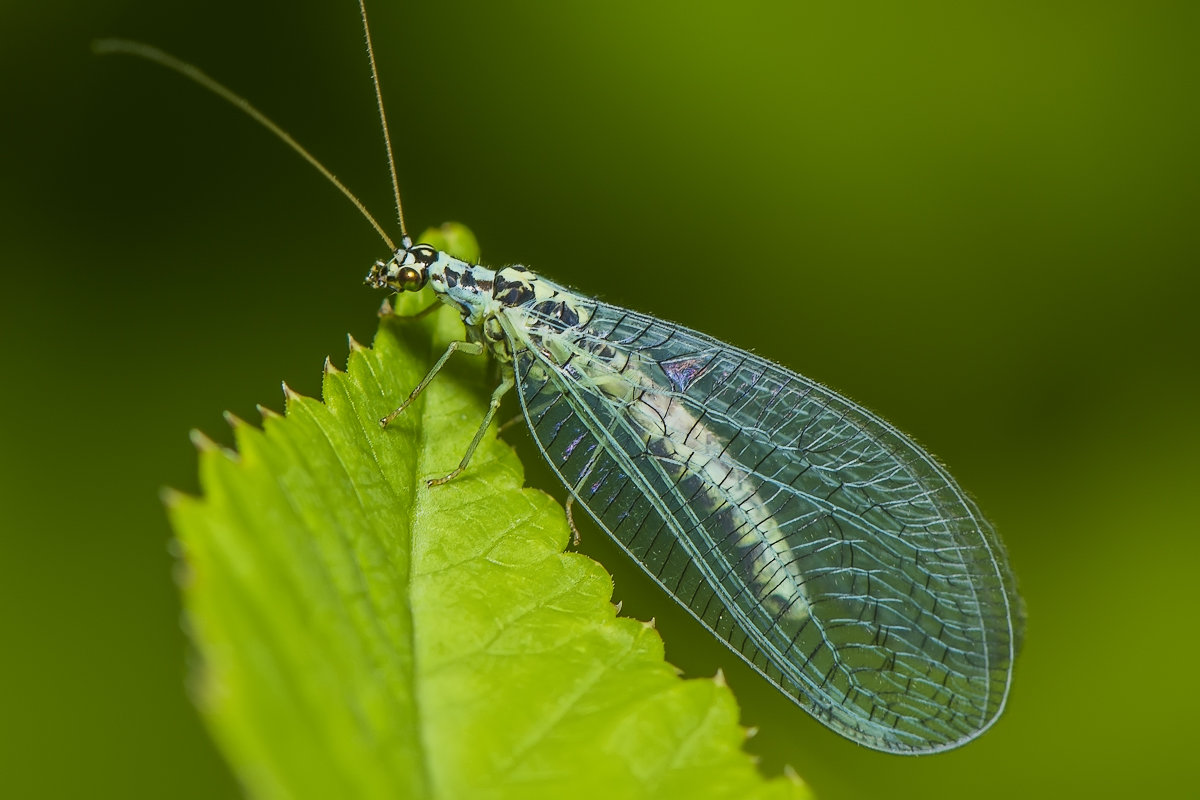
(386,309)
(649,624)
(790,773)
(172,497)
(233,419)
(175,548)
(719,678)
(267,413)
(329,368)
(202,442)
(619,605)
(751,732)
(290,397)
(355,347)
(184,577)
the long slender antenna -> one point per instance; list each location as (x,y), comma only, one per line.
(387,135)
(131,48)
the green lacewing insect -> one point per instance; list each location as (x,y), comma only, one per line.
(821,544)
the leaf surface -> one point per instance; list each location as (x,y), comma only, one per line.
(361,635)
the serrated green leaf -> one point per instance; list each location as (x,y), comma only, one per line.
(361,635)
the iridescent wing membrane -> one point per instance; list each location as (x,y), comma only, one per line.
(824,546)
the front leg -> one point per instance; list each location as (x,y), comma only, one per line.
(470,348)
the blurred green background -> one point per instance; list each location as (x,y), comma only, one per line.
(979,219)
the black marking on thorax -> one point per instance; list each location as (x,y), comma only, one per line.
(512,292)
(467,280)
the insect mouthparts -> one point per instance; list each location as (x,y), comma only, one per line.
(377,277)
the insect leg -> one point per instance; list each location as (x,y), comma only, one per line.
(470,348)
(510,422)
(583,477)
(507,383)
(387,310)
(571,520)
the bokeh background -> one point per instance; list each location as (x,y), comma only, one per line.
(979,219)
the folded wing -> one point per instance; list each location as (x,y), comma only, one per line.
(823,545)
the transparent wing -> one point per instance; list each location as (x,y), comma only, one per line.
(823,545)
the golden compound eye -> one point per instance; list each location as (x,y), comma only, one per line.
(409,279)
